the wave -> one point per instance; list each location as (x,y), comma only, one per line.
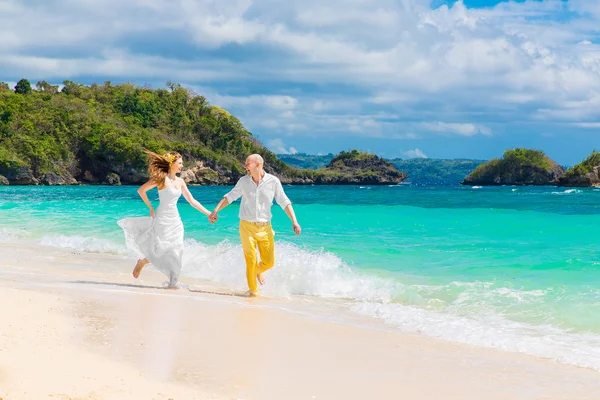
(7,234)
(85,244)
(478,313)
(299,271)
(492,330)
(568,191)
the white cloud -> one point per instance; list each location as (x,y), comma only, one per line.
(592,125)
(318,68)
(457,129)
(416,153)
(281,102)
(278,146)
(276,102)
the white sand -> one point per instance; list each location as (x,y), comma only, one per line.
(77,326)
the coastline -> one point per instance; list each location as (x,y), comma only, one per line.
(81,327)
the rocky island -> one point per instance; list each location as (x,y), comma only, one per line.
(358,168)
(586,173)
(517,167)
(95,135)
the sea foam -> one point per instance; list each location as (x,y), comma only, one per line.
(85,244)
(476,313)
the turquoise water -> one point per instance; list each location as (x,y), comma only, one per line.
(515,268)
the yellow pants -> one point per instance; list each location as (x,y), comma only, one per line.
(263,237)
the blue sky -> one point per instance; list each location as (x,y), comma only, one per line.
(401,78)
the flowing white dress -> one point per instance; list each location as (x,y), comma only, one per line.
(158,239)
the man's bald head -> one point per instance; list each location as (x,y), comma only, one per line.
(257,158)
(254,165)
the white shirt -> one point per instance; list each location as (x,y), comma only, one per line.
(258,199)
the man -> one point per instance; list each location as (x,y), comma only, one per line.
(257,190)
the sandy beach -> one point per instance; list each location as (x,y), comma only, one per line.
(78,326)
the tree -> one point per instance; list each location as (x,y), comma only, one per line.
(71,88)
(4,87)
(173,86)
(23,87)
(45,87)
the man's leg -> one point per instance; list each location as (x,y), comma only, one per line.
(266,248)
(249,247)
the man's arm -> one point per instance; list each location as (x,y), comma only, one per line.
(289,210)
(285,203)
(229,198)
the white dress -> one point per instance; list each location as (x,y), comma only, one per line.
(158,239)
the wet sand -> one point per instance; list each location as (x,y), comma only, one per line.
(78,326)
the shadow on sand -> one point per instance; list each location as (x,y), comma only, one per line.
(138,286)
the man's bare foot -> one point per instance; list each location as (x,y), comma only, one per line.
(138,268)
(253,294)
(261,279)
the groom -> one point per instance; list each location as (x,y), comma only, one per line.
(257,190)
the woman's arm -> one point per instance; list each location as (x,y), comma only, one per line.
(213,217)
(193,202)
(142,192)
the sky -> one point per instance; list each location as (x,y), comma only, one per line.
(399,78)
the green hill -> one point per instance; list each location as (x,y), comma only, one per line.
(586,173)
(517,167)
(359,168)
(96,134)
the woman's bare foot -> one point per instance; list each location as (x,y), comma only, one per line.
(138,267)
(261,279)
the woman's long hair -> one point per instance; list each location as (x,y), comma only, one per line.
(158,166)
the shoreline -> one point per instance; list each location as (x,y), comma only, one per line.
(120,338)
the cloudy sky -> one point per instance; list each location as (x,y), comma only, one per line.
(401,78)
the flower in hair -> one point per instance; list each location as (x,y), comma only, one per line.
(171,158)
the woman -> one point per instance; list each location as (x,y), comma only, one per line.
(158,239)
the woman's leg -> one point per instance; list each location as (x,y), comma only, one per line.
(141,263)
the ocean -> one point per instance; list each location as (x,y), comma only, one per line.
(512,268)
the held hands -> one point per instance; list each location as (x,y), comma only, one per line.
(297,228)
(213,217)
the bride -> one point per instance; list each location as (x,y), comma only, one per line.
(158,239)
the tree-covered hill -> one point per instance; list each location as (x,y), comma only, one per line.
(360,168)
(586,173)
(96,134)
(517,167)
